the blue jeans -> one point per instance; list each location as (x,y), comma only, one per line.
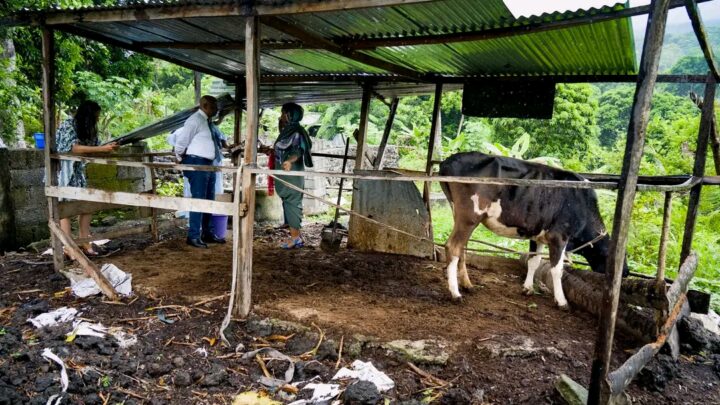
(202,186)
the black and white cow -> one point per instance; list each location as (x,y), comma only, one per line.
(561,218)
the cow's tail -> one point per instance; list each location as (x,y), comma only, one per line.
(445,186)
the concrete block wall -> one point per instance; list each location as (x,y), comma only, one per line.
(23,205)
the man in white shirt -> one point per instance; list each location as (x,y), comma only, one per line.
(197,144)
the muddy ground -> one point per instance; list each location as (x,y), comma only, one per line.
(499,346)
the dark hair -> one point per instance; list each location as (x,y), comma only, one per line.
(86,122)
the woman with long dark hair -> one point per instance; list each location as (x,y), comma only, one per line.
(79,135)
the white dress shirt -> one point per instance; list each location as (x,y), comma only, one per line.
(194,138)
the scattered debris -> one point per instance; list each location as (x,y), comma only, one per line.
(366,372)
(520,346)
(86,286)
(60,315)
(64,381)
(322,394)
(253,398)
(163,319)
(84,328)
(572,392)
(362,393)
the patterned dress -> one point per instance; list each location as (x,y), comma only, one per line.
(71,174)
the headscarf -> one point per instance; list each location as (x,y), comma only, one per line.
(295,115)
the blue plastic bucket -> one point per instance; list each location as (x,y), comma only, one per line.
(220,223)
(39,140)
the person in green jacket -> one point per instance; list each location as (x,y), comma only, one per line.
(292,152)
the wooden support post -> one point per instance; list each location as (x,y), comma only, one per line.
(386,134)
(90,268)
(243,244)
(619,379)
(706,119)
(660,284)
(154,231)
(197,84)
(362,133)
(237,130)
(702,37)
(434,141)
(599,392)
(52,166)
(715,146)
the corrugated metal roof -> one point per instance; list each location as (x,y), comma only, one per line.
(600,48)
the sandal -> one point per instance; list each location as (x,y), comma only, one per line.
(295,243)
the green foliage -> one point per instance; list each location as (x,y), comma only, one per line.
(170,188)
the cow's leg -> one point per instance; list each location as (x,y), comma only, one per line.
(465,282)
(532,265)
(557,253)
(454,250)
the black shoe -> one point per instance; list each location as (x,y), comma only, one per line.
(198,243)
(212,239)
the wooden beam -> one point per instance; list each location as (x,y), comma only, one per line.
(243,242)
(704,133)
(163,12)
(215,45)
(662,250)
(197,84)
(702,37)
(714,138)
(360,135)
(52,167)
(74,208)
(386,134)
(158,165)
(75,30)
(526,27)
(599,392)
(142,200)
(90,268)
(621,378)
(435,133)
(317,41)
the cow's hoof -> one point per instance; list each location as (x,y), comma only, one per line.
(528,291)
(457,300)
(564,308)
(468,290)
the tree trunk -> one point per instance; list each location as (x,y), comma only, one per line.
(8,52)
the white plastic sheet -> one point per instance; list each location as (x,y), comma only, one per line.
(64,381)
(52,318)
(366,372)
(121,282)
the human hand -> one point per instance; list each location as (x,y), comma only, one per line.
(110,147)
(287,165)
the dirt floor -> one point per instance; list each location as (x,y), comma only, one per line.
(500,346)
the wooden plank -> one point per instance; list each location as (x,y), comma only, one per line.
(702,37)
(391,175)
(434,137)
(704,133)
(599,392)
(151,165)
(243,246)
(386,133)
(69,209)
(619,379)
(119,233)
(141,200)
(317,41)
(52,167)
(90,268)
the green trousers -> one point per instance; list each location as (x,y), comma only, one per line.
(291,199)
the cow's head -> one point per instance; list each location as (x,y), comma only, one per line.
(597,256)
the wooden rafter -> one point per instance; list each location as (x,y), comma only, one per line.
(702,36)
(154,12)
(499,32)
(312,40)
(215,45)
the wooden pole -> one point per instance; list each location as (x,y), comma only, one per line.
(435,132)
(704,133)
(362,133)
(52,166)
(237,130)
(90,268)
(702,37)
(243,248)
(662,251)
(197,83)
(386,134)
(154,230)
(599,392)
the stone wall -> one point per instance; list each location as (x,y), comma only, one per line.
(23,205)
